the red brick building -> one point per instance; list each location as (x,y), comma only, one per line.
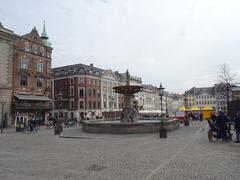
(32,76)
(80,88)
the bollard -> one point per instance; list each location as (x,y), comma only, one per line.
(162,131)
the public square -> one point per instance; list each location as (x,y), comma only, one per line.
(185,154)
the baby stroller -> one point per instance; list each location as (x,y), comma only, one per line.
(212,132)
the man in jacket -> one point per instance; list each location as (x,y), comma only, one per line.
(237,127)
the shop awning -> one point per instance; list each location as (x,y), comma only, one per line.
(195,108)
(182,108)
(32,98)
(208,108)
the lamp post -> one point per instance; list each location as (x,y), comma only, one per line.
(186,120)
(57,129)
(3,103)
(162,128)
(112,102)
(161,94)
(185,104)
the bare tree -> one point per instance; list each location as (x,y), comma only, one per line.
(226,79)
(224,76)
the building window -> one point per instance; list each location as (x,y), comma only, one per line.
(48,68)
(35,49)
(42,51)
(81,80)
(99,105)
(39,67)
(71,91)
(39,82)
(98,93)
(26,46)
(23,80)
(24,64)
(94,92)
(90,92)
(94,105)
(105,104)
(81,93)
(90,105)
(71,80)
(72,104)
(48,55)
(81,104)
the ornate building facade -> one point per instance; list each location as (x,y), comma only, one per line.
(7,38)
(25,81)
(32,76)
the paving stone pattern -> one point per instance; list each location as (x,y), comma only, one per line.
(185,154)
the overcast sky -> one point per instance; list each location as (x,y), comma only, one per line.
(180,43)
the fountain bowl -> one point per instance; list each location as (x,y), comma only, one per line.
(117,127)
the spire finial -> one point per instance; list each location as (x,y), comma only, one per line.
(128,77)
(44,34)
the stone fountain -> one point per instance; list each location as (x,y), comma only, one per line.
(130,106)
(129,122)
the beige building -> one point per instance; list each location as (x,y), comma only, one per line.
(6,60)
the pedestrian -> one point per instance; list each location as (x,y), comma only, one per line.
(237,127)
(213,118)
(201,116)
(30,124)
(221,123)
(22,126)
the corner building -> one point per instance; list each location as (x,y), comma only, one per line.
(80,89)
(32,77)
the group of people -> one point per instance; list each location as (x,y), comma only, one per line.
(220,127)
(68,122)
(23,125)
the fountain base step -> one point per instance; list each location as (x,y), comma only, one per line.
(116,127)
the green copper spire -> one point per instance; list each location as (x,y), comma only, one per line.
(44,36)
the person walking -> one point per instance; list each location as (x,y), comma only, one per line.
(237,127)
(221,123)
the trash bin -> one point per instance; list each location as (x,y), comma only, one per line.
(186,122)
(162,131)
(56,130)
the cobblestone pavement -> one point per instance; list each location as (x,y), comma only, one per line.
(185,154)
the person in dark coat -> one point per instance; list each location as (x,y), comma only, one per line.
(221,123)
(213,118)
(237,127)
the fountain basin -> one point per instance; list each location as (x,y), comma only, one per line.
(116,127)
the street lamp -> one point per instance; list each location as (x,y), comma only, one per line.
(186,121)
(59,96)
(161,94)
(112,102)
(3,103)
(58,128)
(162,128)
